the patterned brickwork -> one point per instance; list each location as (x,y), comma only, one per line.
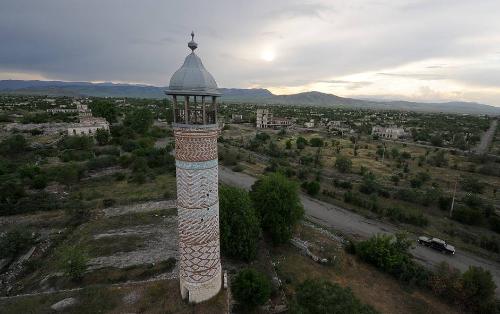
(195,144)
(198,211)
(197,188)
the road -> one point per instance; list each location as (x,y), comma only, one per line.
(486,138)
(359,227)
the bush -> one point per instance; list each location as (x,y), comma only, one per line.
(239,224)
(301,142)
(343,164)
(312,188)
(15,242)
(13,145)
(390,254)
(277,202)
(251,288)
(479,290)
(73,261)
(342,184)
(412,218)
(466,215)
(316,142)
(101,162)
(102,136)
(77,142)
(321,296)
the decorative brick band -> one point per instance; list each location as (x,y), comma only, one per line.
(197,188)
(195,144)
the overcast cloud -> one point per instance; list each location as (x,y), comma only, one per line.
(429,50)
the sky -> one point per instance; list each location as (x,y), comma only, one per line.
(422,50)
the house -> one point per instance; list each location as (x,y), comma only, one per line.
(392,132)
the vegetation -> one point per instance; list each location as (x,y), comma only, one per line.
(73,261)
(278,204)
(239,224)
(320,296)
(251,288)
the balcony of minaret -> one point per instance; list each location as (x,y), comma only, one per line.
(194,110)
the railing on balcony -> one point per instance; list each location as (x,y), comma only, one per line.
(195,116)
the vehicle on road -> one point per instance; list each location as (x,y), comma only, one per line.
(437,244)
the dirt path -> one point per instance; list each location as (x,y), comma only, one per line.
(486,138)
(360,227)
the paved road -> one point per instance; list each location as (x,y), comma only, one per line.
(359,227)
(486,138)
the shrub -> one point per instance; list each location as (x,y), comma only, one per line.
(101,162)
(301,142)
(102,136)
(251,288)
(343,184)
(316,142)
(239,224)
(13,145)
(15,242)
(73,261)
(312,188)
(343,164)
(467,215)
(479,290)
(321,296)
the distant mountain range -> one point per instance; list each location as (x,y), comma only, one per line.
(239,95)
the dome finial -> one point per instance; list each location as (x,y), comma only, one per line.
(192,44)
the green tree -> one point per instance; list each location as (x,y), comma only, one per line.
(288,144)
(301,142)
(320,296)
(251,288)
(73,261)
(139,120)
(312,188)
(104,108)
(343,164)
(239,224)
(316,142)
(479,290)
(102,136)
(277,201)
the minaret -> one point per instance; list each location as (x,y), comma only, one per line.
(194,92)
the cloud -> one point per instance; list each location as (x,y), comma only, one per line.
(314,42)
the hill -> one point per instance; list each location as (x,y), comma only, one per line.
(59,88)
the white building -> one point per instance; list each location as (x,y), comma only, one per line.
(88,124)
(392,132)
(309,124)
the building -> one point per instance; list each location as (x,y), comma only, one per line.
(264,119)
(194,93)
(309,124)
(392,132)
(88,124)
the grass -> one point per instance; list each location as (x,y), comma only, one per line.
(161,296)
(99,189)
(371,286)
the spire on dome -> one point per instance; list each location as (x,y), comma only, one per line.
(192,44)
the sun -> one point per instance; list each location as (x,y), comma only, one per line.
(267,55)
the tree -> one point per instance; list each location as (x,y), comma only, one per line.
(316,142)
(102,136)
(479,290)
(288,144)
(343,164)
(277,201)
(251,288)
(301,142)
(104,108)
(15,144)
(239,224)
(472,184)
(321,296)
(73,261)
(139,120)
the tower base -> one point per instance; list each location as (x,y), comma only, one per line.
(196,293)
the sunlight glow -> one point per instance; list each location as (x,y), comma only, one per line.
(267,55)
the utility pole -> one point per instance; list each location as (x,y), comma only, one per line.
(453,199)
